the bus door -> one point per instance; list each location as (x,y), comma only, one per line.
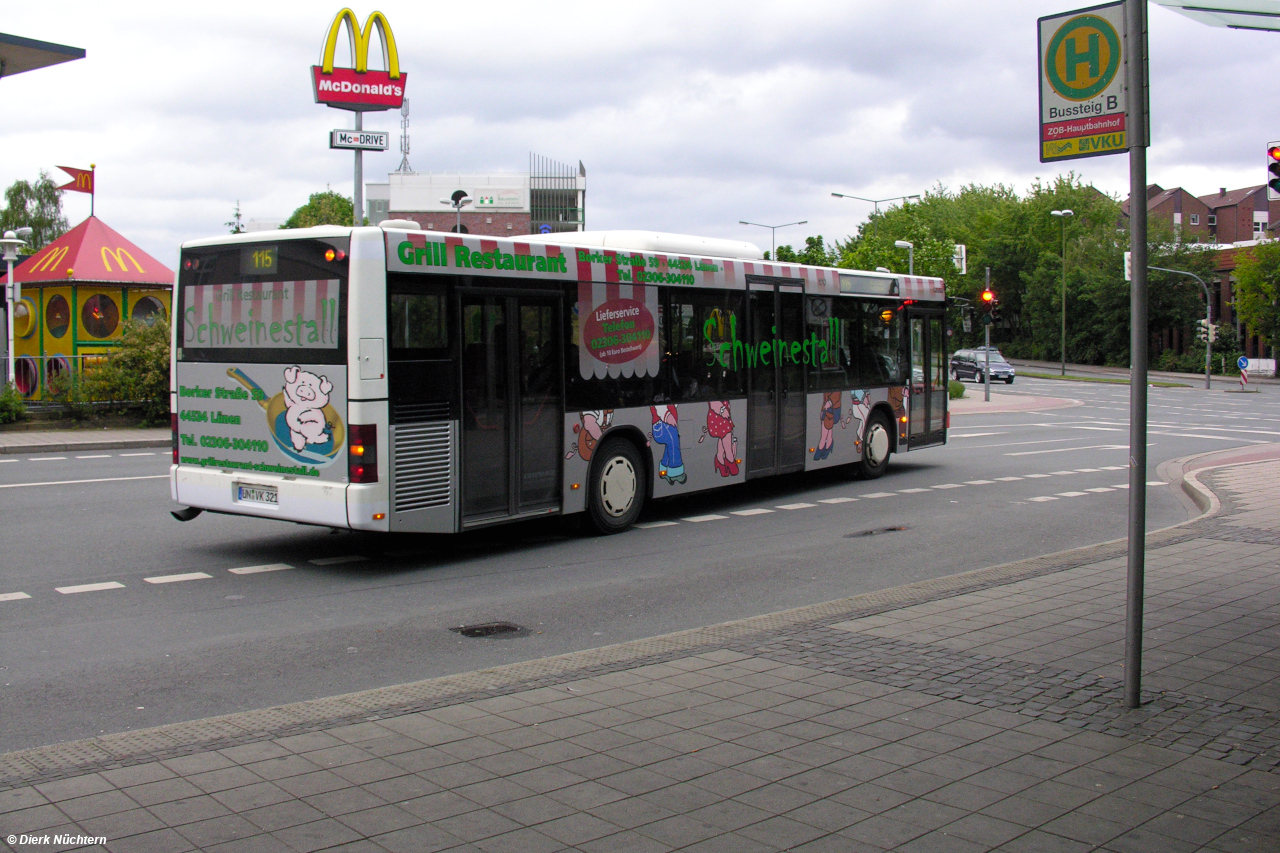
(512,404)
(775,389)
(928,401)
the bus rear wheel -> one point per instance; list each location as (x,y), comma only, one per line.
(876,446)
(617,489)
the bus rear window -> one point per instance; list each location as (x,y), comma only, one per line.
(290,305)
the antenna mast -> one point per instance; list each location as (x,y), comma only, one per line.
(404,137)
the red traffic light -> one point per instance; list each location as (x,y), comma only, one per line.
(1274,152)
(988,297)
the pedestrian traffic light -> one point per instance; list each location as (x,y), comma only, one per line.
(1273,171)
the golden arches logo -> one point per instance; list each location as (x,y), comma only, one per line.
(119,254)
(360,42)
(50,261)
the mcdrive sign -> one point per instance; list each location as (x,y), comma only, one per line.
(359,89)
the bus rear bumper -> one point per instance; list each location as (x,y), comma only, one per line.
(309,501)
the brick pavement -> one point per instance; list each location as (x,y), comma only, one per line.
(976,712)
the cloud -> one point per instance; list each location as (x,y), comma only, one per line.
(688,116)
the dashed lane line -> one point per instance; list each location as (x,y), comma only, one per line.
(1007,479)
(1072,494)
(95,456)
(836,500)
(805,505)
(1069,449)
(749,512)
(337,561)
(254,570)
(1042,499)
(949,486)
(698,519)
(45,458)
(1037,476)
(13,596)
(649,525)
(978,482)
(187,576)
(881,495)
(88,587)
(148,453)
(914,491)
(1101,489)
(77,482)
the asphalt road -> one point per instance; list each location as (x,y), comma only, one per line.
(355,611)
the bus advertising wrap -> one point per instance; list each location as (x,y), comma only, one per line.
(261,315)
(282,419)
(614,327)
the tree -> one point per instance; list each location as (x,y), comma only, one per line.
(236,226)
(814,253)
(1258,292)
(326,208)
(37,205)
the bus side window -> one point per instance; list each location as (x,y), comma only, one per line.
(701,328)
(878,356)
(831,322)
(417,321)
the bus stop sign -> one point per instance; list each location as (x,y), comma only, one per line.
(1082,88)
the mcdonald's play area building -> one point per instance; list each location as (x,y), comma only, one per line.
(76,294)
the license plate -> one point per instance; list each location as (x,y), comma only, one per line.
(258,495)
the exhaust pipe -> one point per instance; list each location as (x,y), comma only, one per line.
(186,514)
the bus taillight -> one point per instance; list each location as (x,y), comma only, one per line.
(362,453)
(173,429)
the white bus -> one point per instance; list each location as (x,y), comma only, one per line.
(391,379)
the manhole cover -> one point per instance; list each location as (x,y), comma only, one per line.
(489,629)
(875,531)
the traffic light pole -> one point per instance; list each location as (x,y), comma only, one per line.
(1135,53)
(986,352)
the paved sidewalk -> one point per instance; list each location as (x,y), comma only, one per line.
(976,712)
(55,440)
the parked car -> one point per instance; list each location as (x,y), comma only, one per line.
(971,363)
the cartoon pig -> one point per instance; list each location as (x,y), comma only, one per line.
(307,395)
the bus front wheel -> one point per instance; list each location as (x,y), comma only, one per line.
(876,446)
(617,489)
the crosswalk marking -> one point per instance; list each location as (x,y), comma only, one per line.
(253,570)
(188,576)
(88,587)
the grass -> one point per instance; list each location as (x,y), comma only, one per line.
(1106,380)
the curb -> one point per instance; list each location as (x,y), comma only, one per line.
(106,444)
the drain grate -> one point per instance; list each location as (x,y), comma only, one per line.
(489,629)
(875,531)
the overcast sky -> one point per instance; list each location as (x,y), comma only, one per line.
(689,116)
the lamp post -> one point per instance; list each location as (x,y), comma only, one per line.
(877,201)
(773,255)
(457,201)
(911,254)
(13,291)
(1063,214)
(1208,320)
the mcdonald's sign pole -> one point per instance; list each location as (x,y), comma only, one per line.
(359,89)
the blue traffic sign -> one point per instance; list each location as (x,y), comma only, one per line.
(1243,363)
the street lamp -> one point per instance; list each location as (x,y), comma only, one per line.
(13,291)
(1063,214)
(877,201)
(457,201)
(773,255)
(911,254)
(1208,320)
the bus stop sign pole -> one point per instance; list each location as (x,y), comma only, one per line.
(1135,57)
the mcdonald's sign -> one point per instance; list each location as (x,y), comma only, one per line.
(359,89)
(119,254)
(50,262)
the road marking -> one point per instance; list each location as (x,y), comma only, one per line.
(337,561)
(253,570)
(949,486)
(1067,449)
(1061,473)
(649,525)
(1038,476)
(1072,494)
(836,500)
(757,511)
(8,460)
(1113,468)
(1120,486)
(1007,479)
(88,587)
(913,491)
(148,453)
(1155,482)
(1099,429)
(1041,500)
(96,456)
(188,576)
(44,458)
(698,519)
(75,482)
(975,434)
(1088,470)
(881,495)
(978,482)
(13,596)
(1197,435)
(807,506)
(1101,489)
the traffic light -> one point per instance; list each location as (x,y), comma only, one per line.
(1273,171)
(1213,333)
(989,303)
(1202,330)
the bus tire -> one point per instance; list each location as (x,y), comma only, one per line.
(876,447)
(617,487)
